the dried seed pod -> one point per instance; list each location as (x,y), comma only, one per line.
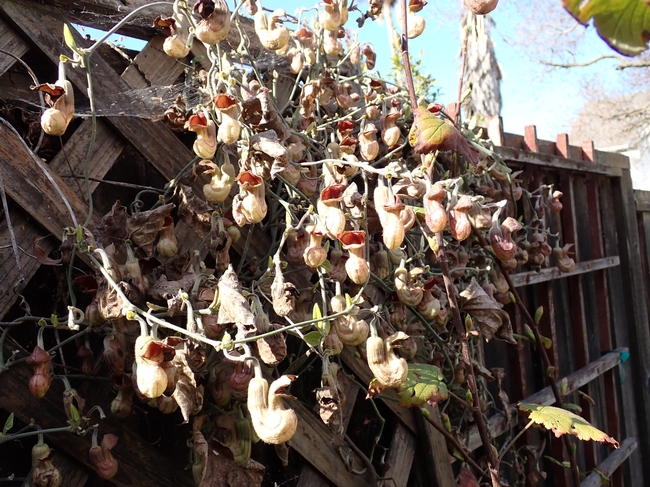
(284,294)
(101,457)
(459,223)
(368,145)
(215,21)
(481,7)
(114,353)
(44,473)
(230,128)
(272,422)
(350,331)
(272,34)
(562,259)
(356,265)
(435,214)
(205,144)
(249,206)
(407,290)
(87,359)
(429,307)
(390,370)
(337,271)
(501,240)
(332,46)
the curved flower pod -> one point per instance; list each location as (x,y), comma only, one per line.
(40,382)
(390,370)
(272,422)
(101,457)
(215,21)
(44,473)
(315,254)
(230,128)
(205,144)
(435,214)
(562,259)
(60,97)
(356,265)
(408,292)
(502,244)
(249,206)
(335,14)
(272,34)
(389,207)
(390,132)
(329,210)
(459,223)
(221,182)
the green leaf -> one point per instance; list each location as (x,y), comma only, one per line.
(8,424)
(312,338)
(69,38)
(323,326)
(572,407)
(430,133)
(623,24)
(326,267)
(75,419)
(557,462)
(423,383)
(560,422)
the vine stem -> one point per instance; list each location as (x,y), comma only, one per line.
(40,432)
(451,290)
(463,65)
(452,439)
(514,440)
(575,472)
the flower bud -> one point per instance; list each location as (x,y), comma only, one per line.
(356,265)
(459,223)
(44,473)
(167,244)
(205,144)
(40,382)
(215,21)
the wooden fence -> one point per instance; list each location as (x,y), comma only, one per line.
(594,314)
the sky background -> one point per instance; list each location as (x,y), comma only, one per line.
(533,94)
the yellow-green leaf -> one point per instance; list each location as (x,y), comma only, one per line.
(430,133)
(312,338)
(8,424)
(69,38)
(561,422)
(623,24)
(423,383)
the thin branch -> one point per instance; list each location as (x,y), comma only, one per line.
(582,65)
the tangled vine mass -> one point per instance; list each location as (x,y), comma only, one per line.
(389,230)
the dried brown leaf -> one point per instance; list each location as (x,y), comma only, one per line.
(112,227)
(492,321)
(270,152)
(234,306)
(41,256)
(143,227)
(466,478)
(194,211)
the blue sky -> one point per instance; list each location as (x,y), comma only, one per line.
(532,94)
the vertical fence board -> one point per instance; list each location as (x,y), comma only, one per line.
(635,302)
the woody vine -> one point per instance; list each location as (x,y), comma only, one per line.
(391,230)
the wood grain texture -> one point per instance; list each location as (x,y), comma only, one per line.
(400,455)
(555,162)
(139,462)
(497,424)
(551,273)
(11,42)
(611,463)
(432,450)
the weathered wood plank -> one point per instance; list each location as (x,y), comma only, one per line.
(139,462)
(551,273)
(316,443)
(635,296)
(620,315)
(28,186)
(400,455)
(361,370)
(497,424)
(153,67)
(642,199)
(433,450)
(11,42)
(555,162)
(611,464)
(154,141)
(75,474)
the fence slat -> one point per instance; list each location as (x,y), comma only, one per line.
(551,273)
(555,162)
(12,43)
(611,464)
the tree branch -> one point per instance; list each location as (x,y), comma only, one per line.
(583,65)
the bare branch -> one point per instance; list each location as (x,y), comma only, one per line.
(585,64)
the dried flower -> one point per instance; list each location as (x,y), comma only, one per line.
(435,214)
(44,473)
(459,223)
(562,259)
(215,21)
(167,245)
(272,34)
(205,144)
(272,422)
(230,128)
(249,206)
(314,254)
(356,265)
(481,7)
(102,458)
(40,382)
(390,370)
(221,181)
(60,97)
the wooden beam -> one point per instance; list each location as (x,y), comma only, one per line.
(139,462)
(611,463)
(550,273)
(11,42)
(316,443)
(400,455)
(642,199)
(554,162)
(498,424)
(433,450)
